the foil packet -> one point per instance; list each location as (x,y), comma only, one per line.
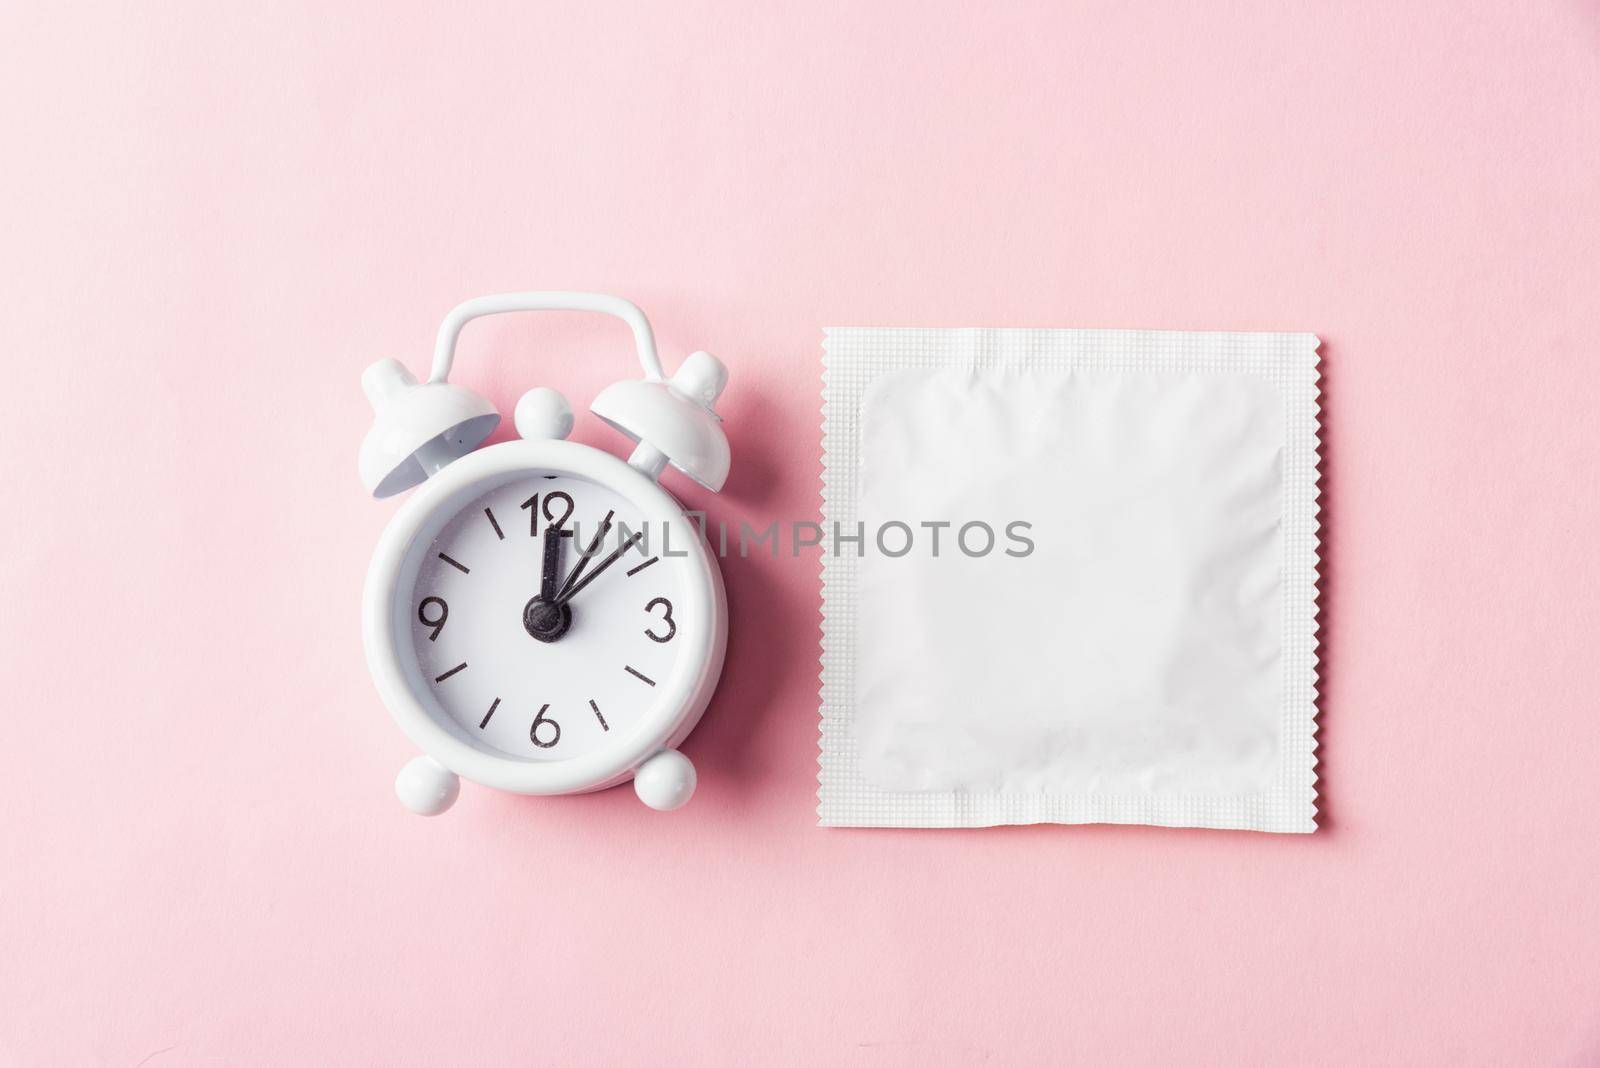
(1069,576)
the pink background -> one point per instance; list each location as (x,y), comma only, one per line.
(214,218)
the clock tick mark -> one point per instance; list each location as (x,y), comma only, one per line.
(457,564)
(635,570)
(460,667)
(497,531)
(489,713)
(646,679)
(603,724)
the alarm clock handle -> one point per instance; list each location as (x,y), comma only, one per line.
(444,348)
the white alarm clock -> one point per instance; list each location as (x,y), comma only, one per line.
(541,616)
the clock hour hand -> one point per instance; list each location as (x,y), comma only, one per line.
(543,617)
(572,589)
(586,555)
(552,564)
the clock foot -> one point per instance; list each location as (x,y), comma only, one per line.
(666,781)
(427,787)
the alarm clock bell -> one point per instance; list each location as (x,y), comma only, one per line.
(673,421)
(418,427)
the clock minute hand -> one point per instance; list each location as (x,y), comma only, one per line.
(573,590)
(586,555)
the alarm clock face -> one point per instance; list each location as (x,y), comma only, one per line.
(546,617)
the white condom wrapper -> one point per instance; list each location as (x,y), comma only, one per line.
(1085,585)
